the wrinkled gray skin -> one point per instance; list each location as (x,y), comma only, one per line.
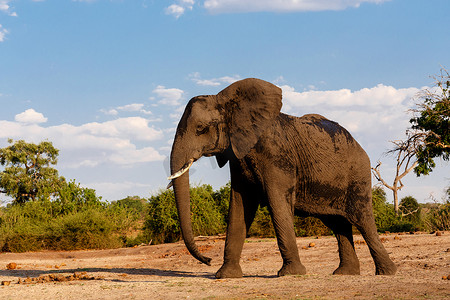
(308,166)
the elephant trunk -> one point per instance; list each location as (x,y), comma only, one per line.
(182,198)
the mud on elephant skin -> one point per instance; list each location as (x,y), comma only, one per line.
(308,166)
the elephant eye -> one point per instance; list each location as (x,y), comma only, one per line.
(202,129)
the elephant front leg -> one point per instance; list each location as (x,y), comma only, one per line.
(283,221)
(240,217)
(286,239)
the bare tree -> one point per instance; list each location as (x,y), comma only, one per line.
(405,152)
(427,138)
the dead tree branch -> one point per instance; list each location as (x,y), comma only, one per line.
(405,156)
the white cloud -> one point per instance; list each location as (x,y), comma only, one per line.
(4,7)
(178,9)
(30,116)
(134,107)
(379,95)
(132,127)
(3,33)
(111,112)
(92,144)
(134,156)
(175,10)
(213,81)
(168,96)
(234,6)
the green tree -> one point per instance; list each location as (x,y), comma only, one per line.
(410,210)
(71,197)
(27,173)
(135,203)
(385,217)
(432,124)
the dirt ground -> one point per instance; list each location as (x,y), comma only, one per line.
(169,272)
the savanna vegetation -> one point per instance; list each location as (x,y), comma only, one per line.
(84,221)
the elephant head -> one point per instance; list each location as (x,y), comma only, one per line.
(225,125)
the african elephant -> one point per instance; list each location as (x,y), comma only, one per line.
(308,166)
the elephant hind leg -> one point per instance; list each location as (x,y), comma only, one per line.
(365,222)
(342,229)
(383,264)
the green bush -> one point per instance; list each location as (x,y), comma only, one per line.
(134,204)
(89,229)
(304,226)
(383,212)
(162,224)
(79,221)
(22,236)
(411,212)
(438,217)
(262,224)
(222,200)
(310,226)
(387,220)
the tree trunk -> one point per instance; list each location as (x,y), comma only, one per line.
(395,192)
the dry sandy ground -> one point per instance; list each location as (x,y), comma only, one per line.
(168,272)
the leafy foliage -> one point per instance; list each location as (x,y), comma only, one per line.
(385,217)
(50,213)
(262,225)
(310,226)
(162,225)
(411,210)
(433,124)
(38,225)
(439,219)
(134,204)
(27,174)
(383,213)
(222,200)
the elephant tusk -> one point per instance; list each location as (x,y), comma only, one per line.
(169,185)
(183,170)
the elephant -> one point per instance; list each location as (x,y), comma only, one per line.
(305,166)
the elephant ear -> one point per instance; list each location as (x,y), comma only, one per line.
(251,106)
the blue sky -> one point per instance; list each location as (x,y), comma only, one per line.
(107,80)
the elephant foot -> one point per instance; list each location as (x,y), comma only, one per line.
(293,268)
(387,269)
(347,270)
(229,270)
